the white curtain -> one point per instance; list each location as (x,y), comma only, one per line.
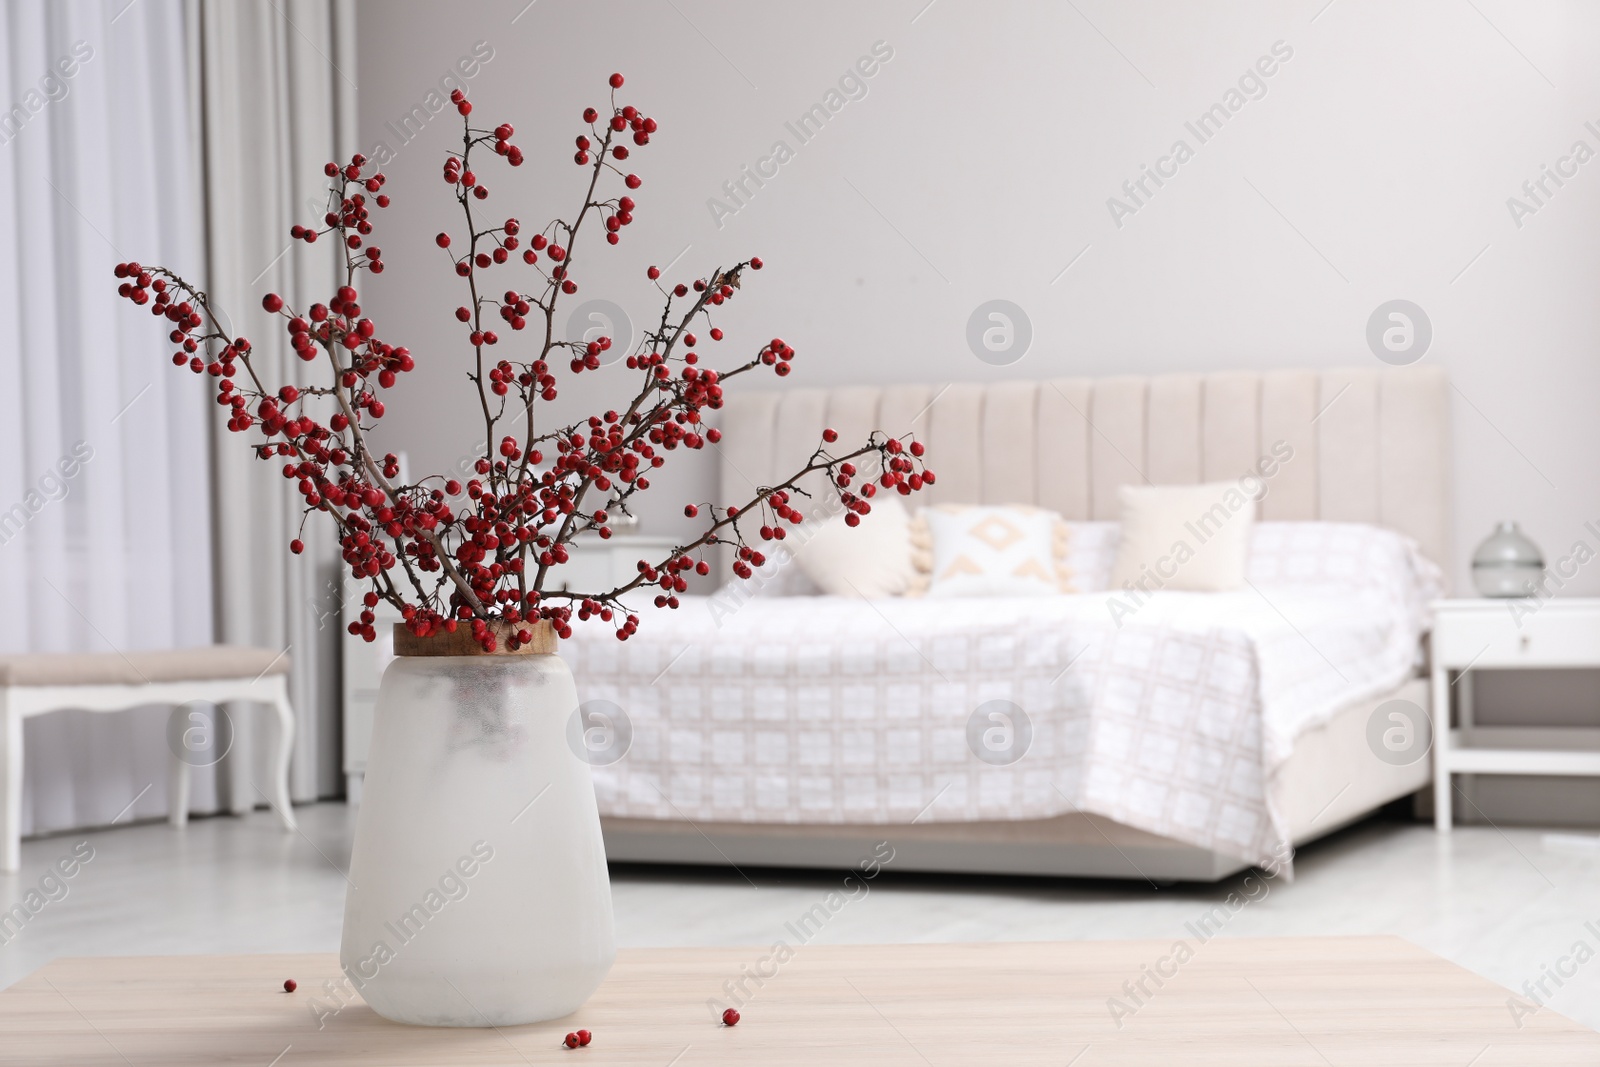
(189,133)
(104,501)
(276,92)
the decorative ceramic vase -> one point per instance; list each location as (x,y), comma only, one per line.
(478,891)
(1506,563)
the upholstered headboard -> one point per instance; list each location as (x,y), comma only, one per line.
(1369,445)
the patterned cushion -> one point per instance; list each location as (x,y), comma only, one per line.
(991,551)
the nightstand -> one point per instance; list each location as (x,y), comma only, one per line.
(1475,635)
(593,565)
(361,668)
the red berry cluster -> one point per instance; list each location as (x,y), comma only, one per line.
(503,145)
(577,1039)
(185,318)
(349,216)
(487,560)
(777,355)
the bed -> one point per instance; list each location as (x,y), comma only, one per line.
(1205,734)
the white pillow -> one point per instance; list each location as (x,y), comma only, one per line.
(1194,537)
(872,560)
(994,551)
(779,576)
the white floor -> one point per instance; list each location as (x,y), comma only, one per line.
(1509,904)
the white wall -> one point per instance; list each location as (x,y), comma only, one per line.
(1377,166)
(980,163)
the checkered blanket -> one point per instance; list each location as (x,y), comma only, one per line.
(1171,719)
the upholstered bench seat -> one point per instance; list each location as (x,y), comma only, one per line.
(140,668)
(34,684)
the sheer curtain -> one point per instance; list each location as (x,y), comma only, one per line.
(105,525)
(189,133)
(277,99)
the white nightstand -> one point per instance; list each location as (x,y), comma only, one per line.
(1474,635)
(593,565)
(361,665)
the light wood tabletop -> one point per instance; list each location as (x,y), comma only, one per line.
(1326,1002)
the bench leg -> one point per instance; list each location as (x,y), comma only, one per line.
(177,787)
(10,785)
(283,743)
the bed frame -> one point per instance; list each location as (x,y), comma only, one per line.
(1370,445)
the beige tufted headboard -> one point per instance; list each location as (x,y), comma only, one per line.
(1369,444)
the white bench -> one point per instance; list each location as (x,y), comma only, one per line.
(35,684)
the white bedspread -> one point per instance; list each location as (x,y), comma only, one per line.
(810,709)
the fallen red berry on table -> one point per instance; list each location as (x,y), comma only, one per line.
(290,985)
(571,1041)
(730,1018)
(584,1037)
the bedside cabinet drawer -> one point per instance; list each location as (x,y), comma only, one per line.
(1551,636)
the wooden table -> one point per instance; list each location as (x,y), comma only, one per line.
(1365,1001)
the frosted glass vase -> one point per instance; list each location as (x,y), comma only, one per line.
(479,894)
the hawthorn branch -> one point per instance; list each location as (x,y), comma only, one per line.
(478,555)
(819,461)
